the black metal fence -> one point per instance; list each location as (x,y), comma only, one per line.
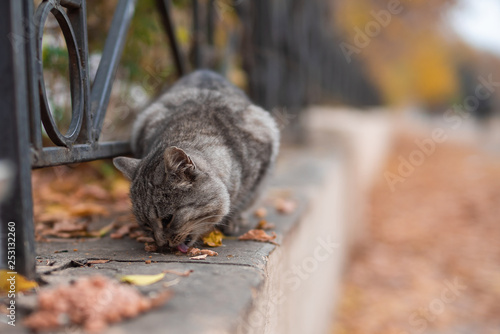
(288,50)
(26,108)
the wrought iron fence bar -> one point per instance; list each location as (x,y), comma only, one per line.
(72,3)
(33,96)
(78,19)
(164,9)
(113,48)
(196,34)
(210,22)
(54,156)
(14,139)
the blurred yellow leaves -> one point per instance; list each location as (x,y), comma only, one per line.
(142,279)
(213,239)
(14,282)
(408,57)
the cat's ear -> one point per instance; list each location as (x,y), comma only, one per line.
(126,165)
(179,162)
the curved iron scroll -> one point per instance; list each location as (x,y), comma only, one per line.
(75,71)
(89,104)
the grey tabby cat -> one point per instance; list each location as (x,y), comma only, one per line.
(203,151)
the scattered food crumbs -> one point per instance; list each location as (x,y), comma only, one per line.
(75,304)
(285,206)
(199,257)
(97,261)
(213,239)
(145,239)
(230,256)
(265,225)
(178,273)
(150,247)
(260,212)
(259,235)
(148,261)
(75,250)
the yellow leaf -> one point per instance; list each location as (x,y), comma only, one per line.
(141,279)
(16,282)
(213,239)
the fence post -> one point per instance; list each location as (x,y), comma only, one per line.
(15,135)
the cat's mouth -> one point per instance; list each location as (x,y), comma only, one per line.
(184,245)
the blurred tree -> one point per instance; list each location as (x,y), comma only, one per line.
(407,51)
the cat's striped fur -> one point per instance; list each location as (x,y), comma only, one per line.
(203,151)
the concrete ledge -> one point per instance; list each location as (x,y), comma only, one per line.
(250,287)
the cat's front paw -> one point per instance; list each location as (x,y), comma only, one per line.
(232,226)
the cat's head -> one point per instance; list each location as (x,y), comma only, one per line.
(172,198)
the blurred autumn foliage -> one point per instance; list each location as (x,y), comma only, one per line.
(415,58)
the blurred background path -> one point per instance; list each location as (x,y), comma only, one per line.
(429,262)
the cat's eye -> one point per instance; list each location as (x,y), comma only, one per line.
(166,221)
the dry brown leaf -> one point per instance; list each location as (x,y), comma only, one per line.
(145,239)
(92,191)
(259,235)
(178,273)
(121,232)
(285,206)
(199,257)
(192,251)
(264,225)
(97,261)
(260,212)
(88,209)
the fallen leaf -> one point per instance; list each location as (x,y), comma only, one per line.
(141,279)
(137,234)
(196,251)
(199,257)
(103,231)
(264,225)
(17,281)
(259,235)
(175,272)
(121,232)
(145,239)
(92,191)
(260,212)
(213,239)
(171,283)
(97,261)
(69,226)
(285,206)
(87,209)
